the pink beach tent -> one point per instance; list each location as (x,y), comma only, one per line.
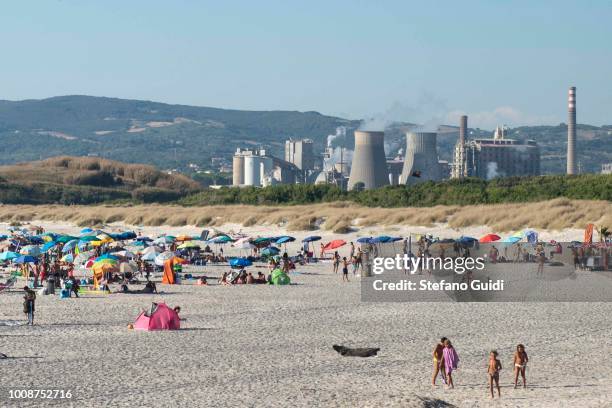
(160,317)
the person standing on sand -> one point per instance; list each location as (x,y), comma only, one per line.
(520,364)
(29,303)
(345,269)
(541,257)
(336,261)
(438,362)
(352,253)
(451,361)
(493,369)
(322,253)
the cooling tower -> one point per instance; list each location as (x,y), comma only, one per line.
(571,131)
(369,163)
(252,171)
(421,162)
(462,130)
(238,170)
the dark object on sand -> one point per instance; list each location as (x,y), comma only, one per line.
(356,352)
(3,356)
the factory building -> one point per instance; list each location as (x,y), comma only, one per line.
(501,157)
(300,153)
(253,167)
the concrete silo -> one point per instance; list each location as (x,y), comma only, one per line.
(369,165)
(252,170)
(238,170)
(421,162)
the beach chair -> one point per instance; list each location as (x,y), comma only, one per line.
(9,284)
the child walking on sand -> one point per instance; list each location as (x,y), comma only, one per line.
(520,364)
(451,361)
(345,264)
(493,371)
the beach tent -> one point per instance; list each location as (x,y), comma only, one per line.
(489,238)
(159,317)
(278,277)
(337,243)
(168,276)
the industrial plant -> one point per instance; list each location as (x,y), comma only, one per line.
(368,167)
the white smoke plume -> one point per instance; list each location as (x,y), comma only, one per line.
(340,132)
(492,171)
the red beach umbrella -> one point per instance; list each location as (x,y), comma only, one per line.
(337,243)
(489,238)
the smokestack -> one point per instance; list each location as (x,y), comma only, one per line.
(369,163)
(421,162)
(571,131)
(462,130)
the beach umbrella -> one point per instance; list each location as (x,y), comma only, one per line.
(99,268)
(69,246)
(489,238)
(36,240)
(124,254)
(25,259)
(221,239)
(3,237)
(31,250)
(183,237)
(106,256)
(149,256)
(364,240)
(83,257)
(269,251)
(463,240)
(240,262)
(88,238)
(511,240)
(144,239)
(152,249)
(65,238)
(8,255)
(243,245)
(48,246)
(337,243)
(188,245)
(312,238)
(67,258)
(284,239)
(163,257)
(166,239)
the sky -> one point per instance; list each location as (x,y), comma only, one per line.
(500,62)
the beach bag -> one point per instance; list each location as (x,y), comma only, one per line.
(64,293)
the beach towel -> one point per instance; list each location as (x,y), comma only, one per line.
(451,359)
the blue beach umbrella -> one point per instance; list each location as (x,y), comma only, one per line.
(312,238)
(8,255)
(240,262)
(364,240)
(48,246)
(69,246)
(284,239)
(25,259)
(269,251)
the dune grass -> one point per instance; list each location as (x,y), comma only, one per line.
(340,217)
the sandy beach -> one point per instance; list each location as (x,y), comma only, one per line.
(260,345)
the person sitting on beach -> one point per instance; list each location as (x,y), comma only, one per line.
(261,278)
(249,278)
(438,362)
(493,369)
(224,279)
(203,281)
(451,361)
(520,364)
(493,254)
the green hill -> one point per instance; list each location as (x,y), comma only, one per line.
(172,136)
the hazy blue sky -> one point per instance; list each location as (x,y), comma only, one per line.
(499,61)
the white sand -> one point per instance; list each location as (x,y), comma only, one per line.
(259,345)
